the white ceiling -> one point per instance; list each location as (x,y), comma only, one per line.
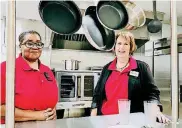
(29,9)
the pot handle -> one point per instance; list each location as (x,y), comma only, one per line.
(63,61)
(75,60)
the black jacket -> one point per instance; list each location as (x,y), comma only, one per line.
(140,88)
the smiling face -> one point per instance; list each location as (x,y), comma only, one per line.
(122,47)
(31,54)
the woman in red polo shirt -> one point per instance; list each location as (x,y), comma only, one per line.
(116,81)
(36,92)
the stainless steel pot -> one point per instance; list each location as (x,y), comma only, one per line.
(136,14)
(71,64)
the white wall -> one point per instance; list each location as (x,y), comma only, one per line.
(166,30)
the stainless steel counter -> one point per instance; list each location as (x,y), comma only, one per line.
(76,104)
(112,121)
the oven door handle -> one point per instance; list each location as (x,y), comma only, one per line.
(79,86)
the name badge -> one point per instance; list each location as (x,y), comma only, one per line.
(134,73)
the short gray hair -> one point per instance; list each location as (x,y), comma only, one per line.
(23,34)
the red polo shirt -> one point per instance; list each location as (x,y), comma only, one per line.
(34,90)
(116,87)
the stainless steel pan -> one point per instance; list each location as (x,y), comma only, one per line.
(98,36)
(136,14)
(112,14)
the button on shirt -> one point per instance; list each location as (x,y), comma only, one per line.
(116,87)
(34,90)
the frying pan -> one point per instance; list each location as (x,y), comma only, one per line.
(98,36)
(155,25)
(112,14)
(62,17)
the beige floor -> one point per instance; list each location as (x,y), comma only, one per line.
(167,108)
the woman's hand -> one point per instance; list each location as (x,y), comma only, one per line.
(93,112)
(26,115)
(48,114)
(162,118)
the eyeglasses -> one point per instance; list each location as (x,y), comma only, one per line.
(30,44)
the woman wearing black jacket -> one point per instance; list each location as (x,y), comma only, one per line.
(125,78)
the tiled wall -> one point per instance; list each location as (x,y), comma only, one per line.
(87,58)
(92,58)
